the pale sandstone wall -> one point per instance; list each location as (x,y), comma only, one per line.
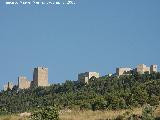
(121,71)
(154,68)
(23,83)
(142,68)
(40,76)
(84,77)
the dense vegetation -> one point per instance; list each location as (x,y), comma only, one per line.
(100,94)
(45,113)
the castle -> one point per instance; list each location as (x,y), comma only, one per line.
(23,83)
(141,69)
(8,86)
(84,77)
(40,78)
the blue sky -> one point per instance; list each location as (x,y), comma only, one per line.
(97,35)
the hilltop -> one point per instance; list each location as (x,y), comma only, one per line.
(107,92)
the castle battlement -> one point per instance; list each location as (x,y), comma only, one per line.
(40,76)
(84,77)
(141,69)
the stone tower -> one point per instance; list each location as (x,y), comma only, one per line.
(84,77)
(23,83)
(142,68)
(40,76)
(153,68)
(123,71)
(8,86)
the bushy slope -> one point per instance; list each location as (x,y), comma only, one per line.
(100,94)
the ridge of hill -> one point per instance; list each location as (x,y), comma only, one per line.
(104,93)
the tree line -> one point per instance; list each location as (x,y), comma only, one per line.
(102,93)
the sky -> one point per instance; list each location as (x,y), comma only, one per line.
(91,35)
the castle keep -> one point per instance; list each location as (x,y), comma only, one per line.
(40,76)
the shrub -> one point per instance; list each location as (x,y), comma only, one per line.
(119,117)
(154,100)
(46,113)
(85,106)
(148,112)
(3,111)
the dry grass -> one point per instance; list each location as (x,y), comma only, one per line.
(157,112)
(96,115)
(88,115)
(12,117)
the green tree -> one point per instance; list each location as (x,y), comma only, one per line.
(154,100)
(140,94)
(148,112)
(46,113)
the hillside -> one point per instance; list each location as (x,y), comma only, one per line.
(105,93)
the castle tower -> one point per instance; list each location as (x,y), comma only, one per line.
(142,68)
(153,68)
(8,86)
(23,83)
(123,71)
(84,77)
(40,76)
